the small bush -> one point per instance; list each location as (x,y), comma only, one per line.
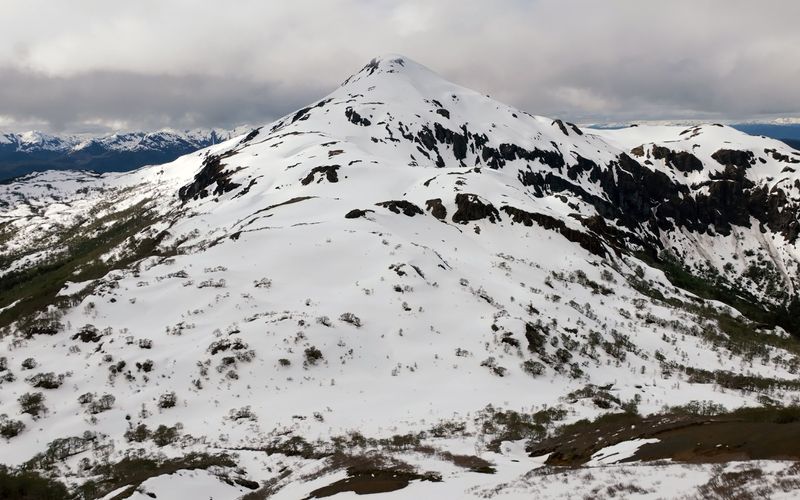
(533,368)
(263,283)
(29,364)
(10,428)
(164,435)
(244,413)
(491,363)
(32,403)
(103,403)
(167,400)
(351,318)
(284,362)
(220,283)
(138,434)
(46,380)
(145,366)
(313,355)
(88,333)
(86,398)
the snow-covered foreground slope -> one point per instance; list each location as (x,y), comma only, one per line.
(403,261)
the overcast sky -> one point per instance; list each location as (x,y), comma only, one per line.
(85,65)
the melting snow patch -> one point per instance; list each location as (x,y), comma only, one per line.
(71,288)
(618,452)
(9,306)
(200,484)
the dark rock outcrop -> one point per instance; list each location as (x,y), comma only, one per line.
(590,242)
(355,118)
(741,159)
(470,208)
(679,160)
(211,172)
(356,213)
(436,208)
(304,113)
(329,172)
(401,206)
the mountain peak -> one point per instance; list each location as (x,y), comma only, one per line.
(392,65)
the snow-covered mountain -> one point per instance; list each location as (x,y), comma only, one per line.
(405,274)
(22,153)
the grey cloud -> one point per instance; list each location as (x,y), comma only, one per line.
(145,101)
(183,64)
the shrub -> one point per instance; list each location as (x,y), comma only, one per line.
(220,283)
(313,355)
(167,400)
(164,435)
(263,283)
(138,434)
(10,428)
(104,403)
(86,398)
(351,318)
(510,426)
(88,333)
(491,363)
(46,380)
(145,366)
(533,368)
(284,362)
(244,413)
(32,403)
(29,364)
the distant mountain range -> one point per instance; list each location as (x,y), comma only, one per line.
(22,153)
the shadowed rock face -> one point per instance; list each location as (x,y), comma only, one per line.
(587,240)
(741,159)
(646,200)
(211,172)
(471,208)
(356,119)
(436,208)
(680,160)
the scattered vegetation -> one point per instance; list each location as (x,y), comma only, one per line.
(32,403)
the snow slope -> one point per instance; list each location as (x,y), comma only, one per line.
(401,253)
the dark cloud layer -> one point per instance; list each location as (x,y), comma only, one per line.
(92,64)
(103,99)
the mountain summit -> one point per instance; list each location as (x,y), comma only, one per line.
(402,265)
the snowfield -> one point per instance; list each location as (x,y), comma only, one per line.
(401,256)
